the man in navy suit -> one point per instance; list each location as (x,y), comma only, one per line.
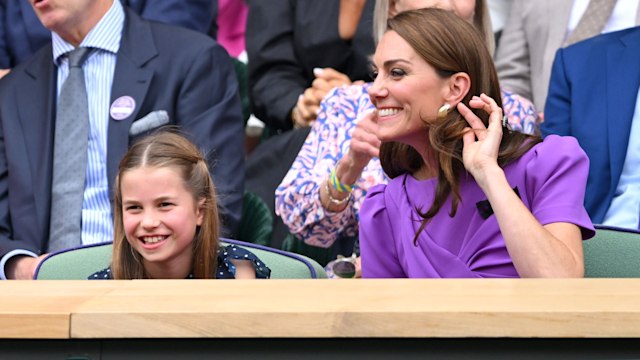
(155,74)
(22,34)
(593,96)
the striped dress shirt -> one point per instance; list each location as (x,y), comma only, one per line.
(99,68)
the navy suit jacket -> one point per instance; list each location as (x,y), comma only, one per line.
(592,96)
(22,34)
(161,67)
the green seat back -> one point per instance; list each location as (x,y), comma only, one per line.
(612,253)
(80,263)
(75,264)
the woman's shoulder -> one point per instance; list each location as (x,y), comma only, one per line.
(558,147)
(382,196)
(554,156)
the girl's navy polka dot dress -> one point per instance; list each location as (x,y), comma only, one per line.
(225,270)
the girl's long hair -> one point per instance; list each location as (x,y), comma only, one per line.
(171,150)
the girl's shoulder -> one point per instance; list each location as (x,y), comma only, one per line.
(104,274)
(226,268)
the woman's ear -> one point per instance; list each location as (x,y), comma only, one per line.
(458,87)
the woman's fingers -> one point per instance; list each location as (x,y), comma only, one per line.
(495,112)
(469,137)
(365,138)
(476,124)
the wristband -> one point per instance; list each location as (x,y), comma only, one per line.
(338,185)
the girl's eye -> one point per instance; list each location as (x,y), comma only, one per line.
(397,73)
(133,207)
(165,204)
(373,74)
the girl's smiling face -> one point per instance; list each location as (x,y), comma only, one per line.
(160,217)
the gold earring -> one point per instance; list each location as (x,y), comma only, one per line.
(443,111)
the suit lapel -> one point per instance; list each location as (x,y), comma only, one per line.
(623,81)
(132,79)
(35,98)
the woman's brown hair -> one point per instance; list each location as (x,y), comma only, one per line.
(450,45)
(172,150)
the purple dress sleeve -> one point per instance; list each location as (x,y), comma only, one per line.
(556,181)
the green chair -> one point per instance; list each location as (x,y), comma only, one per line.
(256,224)
(80,263)
(75,264)
(284,264)
(612,253)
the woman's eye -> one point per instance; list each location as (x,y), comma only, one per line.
(133,207)
(165,204)
(373,74)
(397,73)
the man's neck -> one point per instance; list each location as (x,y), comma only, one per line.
(95,12)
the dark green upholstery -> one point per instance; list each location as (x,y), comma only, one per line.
(80,263)
(612,253)
(256,223)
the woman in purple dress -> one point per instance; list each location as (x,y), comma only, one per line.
(468,197)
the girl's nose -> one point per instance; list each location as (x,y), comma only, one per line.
(150,221)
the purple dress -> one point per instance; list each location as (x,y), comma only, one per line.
(550,179)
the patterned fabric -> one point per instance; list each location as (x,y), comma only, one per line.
(297,196)
(225,269)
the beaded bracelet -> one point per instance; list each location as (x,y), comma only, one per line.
(338,185)
(333,200)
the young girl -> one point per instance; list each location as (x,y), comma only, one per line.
(166,218)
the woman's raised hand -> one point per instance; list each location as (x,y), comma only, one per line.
(481,144)
(364,140)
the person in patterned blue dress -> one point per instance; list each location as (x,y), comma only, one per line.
(166,223)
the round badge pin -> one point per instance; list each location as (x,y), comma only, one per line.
(122,107)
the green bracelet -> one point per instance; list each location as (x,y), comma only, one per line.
(341,187)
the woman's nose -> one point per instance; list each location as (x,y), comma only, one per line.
(377,89)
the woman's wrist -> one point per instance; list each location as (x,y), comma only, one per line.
(347,171)
(335,201)
(492,179)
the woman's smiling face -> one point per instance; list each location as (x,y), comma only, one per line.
(407,92)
